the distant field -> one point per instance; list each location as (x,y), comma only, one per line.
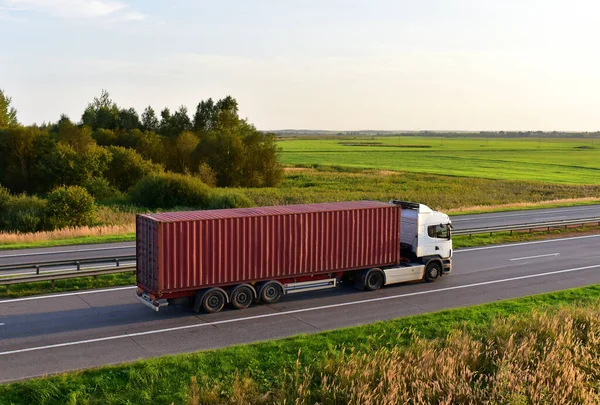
(575,161)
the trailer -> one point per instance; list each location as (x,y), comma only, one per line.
(241,256)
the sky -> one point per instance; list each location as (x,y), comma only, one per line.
(314,64)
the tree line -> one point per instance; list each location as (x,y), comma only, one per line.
(113,153)
(117,145)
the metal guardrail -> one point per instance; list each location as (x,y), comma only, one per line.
(68,263)
(527,226)
(61,275)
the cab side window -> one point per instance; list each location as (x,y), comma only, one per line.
(438,231)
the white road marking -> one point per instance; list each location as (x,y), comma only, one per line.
(526,213)
(524,243)
(129,287)
(1,324)
(296,311)
(65,251)
(535,257)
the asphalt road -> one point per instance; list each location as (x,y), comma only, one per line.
(524,216)
(41,335)
(111,250)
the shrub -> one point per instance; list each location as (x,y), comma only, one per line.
(101,189)
(70,207)
(167,190)
(127,167)
(229,199)
(207,175)
(22,213)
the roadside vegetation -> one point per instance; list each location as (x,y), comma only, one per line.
(84,180)
(537,349)
(307,185)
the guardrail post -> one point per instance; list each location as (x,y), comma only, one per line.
(117,259)
(37,269)
(78,265)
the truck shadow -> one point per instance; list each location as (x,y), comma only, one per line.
(89,322)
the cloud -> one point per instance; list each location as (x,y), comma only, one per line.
(77,9)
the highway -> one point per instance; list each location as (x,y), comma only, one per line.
(109,250)
(50,334)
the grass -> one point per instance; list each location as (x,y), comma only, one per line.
(39,241)
(464,241)
(446,193)
(453,195)
(523,347)
(555,160)
(73,284)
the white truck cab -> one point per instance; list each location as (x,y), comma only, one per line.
(425,234)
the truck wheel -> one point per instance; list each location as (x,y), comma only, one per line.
(374,280)
(270,293)
(213,301)
(432,271)
(241,297)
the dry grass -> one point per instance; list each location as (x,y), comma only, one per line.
(543,359)
(7,238)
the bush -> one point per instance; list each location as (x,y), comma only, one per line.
(168,190)
(70,207)
(22,213)
(101,189)
(207,175)
(127,167)
(229,200)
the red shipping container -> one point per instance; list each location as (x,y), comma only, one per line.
(183,251)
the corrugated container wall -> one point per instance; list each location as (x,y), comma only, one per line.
(191,250)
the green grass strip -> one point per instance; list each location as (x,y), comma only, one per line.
(165,380)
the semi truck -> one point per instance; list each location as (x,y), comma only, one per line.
(243,256)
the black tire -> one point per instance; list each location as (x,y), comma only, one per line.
(374,280)
(432,271)
(270,293)
(241,297)
(213,301)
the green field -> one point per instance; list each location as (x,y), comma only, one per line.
(555,160)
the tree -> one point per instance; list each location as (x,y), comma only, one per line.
(181,152)
(239,155)
(8,114)
(22,148)
(180,121)
(149,120)
(101,113)
(165,122)
(151,147)
(64,166)
(80,139)
(205,116)
(128,119)
(227,113)
(127,167)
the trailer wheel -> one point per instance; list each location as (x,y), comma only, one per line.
(241,297)
(374,280)
(213,301)
(271,292)
(432,271)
